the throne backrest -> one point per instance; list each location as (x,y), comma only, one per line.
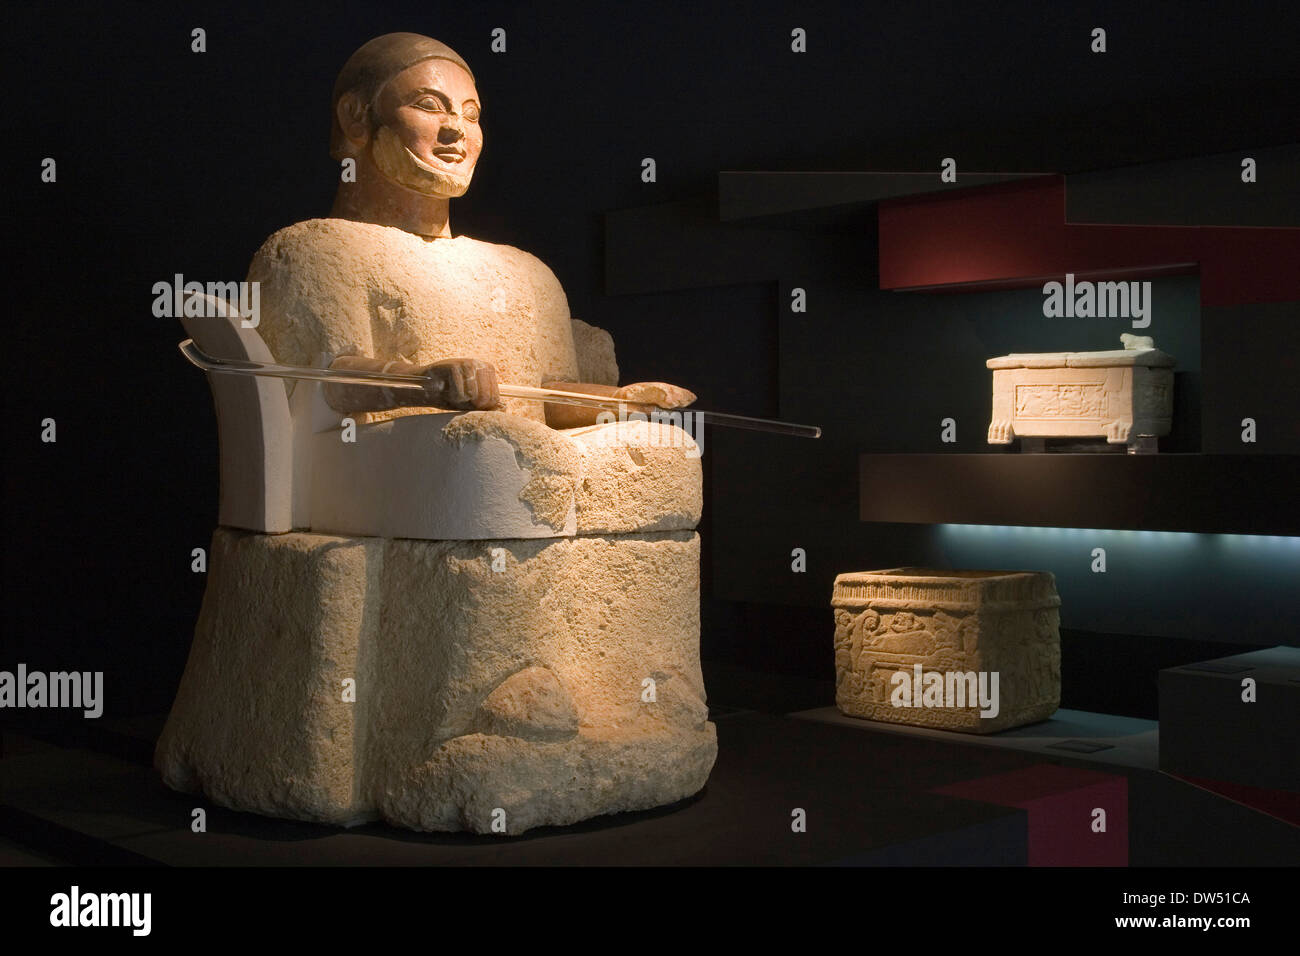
(255,426)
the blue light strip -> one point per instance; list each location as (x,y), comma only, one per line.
(1182,538)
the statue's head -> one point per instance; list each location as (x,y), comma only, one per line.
(409,101)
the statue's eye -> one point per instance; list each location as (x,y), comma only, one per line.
(470,112)
(430,103)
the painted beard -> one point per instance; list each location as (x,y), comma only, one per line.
(403,167)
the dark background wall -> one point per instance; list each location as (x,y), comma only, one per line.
(170,161)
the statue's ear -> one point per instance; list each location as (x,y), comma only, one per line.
(353,119)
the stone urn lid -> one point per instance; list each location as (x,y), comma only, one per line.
(936,588)
(1138,350)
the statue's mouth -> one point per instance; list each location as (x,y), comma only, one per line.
(444,170)
(445,155)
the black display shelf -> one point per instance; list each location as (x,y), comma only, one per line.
(1178,192)
(749,195)
(1189,192)
(1213,494)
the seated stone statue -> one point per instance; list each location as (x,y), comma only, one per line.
(469,613)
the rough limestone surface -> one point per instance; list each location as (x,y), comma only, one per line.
(637,476)
(509,682)
(492,475)
(530,704)
(621,476)
(887,622)
(595,348)
(332,287)
(550,462)
(259,722)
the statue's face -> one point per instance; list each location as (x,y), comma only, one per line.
(429,136)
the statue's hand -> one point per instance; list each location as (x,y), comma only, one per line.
(655,393)
(641,397)
(463,384)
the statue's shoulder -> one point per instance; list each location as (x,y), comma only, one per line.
(326,235)
(324,248)
(313,237)
(511,260)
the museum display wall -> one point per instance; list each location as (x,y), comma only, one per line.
(689,295)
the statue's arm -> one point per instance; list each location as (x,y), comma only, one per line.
(598,366)
(459,384)
(639,396)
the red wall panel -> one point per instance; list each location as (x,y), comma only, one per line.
(1016,234)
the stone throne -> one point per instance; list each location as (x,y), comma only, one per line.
(447,621)
(522,688)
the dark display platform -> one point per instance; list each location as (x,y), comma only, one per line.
(1208,730)
(1252,494)
(1087,737)
(870,798)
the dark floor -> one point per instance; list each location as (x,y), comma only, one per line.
(870,795)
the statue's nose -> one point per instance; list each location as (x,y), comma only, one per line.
(451,131)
